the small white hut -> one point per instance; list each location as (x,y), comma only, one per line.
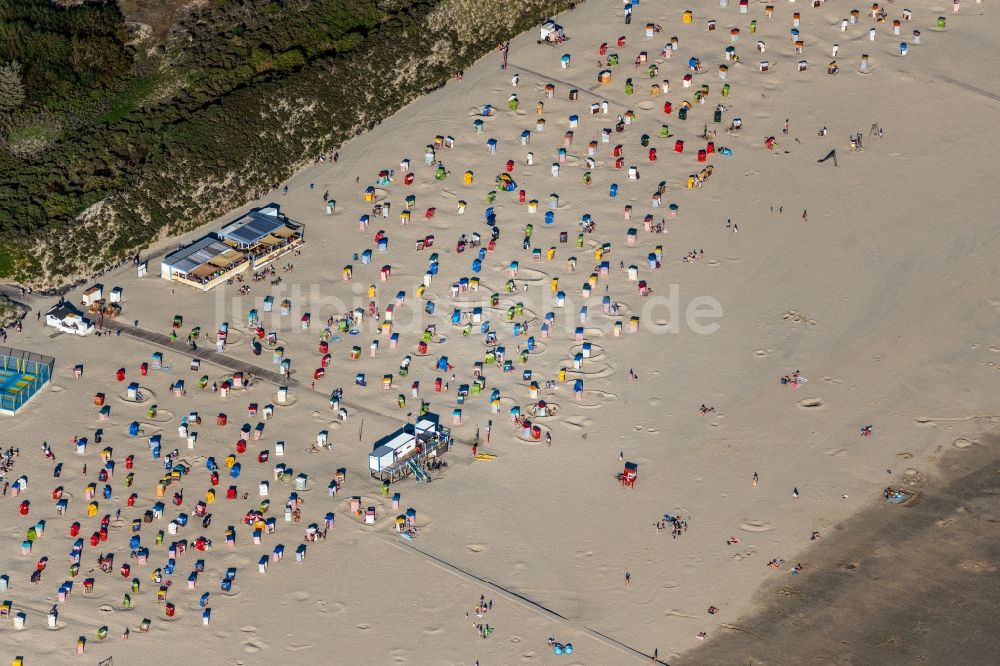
(551,31)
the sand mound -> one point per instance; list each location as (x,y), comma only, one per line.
(810,403)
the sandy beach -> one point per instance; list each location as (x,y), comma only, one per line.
(868,284)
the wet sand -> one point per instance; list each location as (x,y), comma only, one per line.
(917,584)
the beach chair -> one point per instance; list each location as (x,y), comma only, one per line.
(628,477)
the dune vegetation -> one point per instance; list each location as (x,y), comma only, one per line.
(121,124)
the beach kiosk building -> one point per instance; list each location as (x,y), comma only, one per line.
(263,235)
(203,264)
(68,319)
(249,242)
(404,452)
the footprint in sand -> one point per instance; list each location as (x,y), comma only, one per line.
(363,627)
(433,631)
(55,388)
(333,607)
(961,443)
(756,526)
(655,402)
(248,629)
(476,547)
(810,403)
(580,424)
(760,353)
(254,645)
(298,596)
(797,317)
(676,612)
(645,105)
(837,453)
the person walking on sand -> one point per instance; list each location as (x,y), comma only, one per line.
(754,482)
(548,439)
(628,578)
(805,217)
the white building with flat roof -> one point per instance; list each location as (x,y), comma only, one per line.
(68,319)
(413,442)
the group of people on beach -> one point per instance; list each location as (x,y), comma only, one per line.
(7,459)
(484,606)
(678,526)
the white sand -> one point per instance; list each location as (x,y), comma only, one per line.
(890,280)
